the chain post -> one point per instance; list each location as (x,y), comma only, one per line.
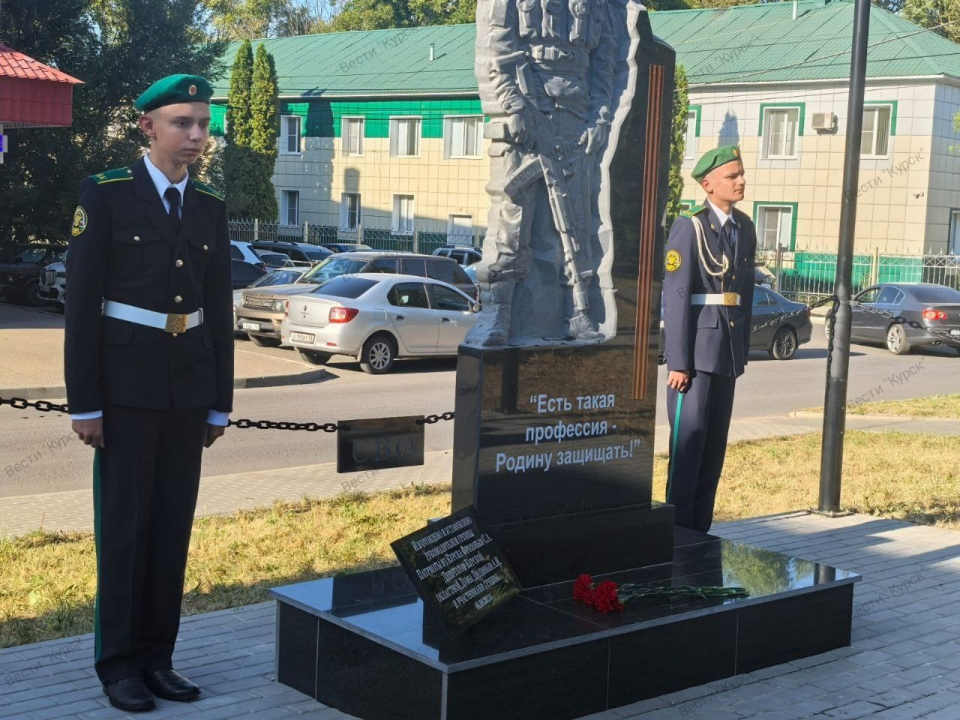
(835,403)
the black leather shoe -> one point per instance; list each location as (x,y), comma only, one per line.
(171,685)
(129,694)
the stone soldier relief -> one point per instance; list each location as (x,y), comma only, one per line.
(556,397)
(553,80)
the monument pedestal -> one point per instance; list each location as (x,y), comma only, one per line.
(553,452)
(366,644)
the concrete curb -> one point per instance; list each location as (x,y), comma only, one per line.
(307,378)
(879,418)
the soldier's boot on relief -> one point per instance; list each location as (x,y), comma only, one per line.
(583,328)
(493,327)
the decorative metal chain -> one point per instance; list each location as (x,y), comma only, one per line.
(38,405)
(242,424)
(431,419)
(793,313)
(246,424)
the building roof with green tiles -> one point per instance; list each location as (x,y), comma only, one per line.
(745,44)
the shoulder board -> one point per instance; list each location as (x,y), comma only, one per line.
(690,212)
(207,190)
(116,175)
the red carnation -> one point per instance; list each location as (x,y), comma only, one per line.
(583,590)
(605,598)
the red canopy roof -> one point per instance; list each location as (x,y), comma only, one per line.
(33,94)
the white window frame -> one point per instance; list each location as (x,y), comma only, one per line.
(768,129)
(345,211)
(875,110)
(395,121)
(448,133)
(782,238)
(953,237)
(690,146)
(285,197)
(345,123)
(451,224)
(285,136)
(398,219)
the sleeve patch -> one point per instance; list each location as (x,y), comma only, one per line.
(672,261)
(79,221)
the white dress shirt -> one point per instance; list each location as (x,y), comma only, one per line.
(721,215)
(215,417)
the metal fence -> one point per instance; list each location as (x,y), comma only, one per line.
(378,238)
(806,276)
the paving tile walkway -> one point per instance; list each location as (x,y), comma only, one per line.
(904,662)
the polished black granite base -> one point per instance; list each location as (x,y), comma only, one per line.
(366,644)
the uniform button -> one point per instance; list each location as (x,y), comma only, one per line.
(179,299)
(136,238)
(734,277)
(205,247)
(732,323)
(179,263)
(175,334)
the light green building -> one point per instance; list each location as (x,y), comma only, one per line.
(383,129)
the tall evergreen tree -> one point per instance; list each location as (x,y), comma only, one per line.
(264,123)
(239,110)
(678,145)
(239,163)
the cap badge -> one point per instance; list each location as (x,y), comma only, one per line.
(192,89)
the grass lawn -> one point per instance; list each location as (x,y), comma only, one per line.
(47,580)
(934,406)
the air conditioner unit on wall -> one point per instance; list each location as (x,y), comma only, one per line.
(824,121)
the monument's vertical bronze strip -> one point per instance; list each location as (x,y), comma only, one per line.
(648,230)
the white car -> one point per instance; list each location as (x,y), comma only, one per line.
(240,250)
(53,285)
(377,318)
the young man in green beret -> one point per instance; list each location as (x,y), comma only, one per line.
(149,373)
(708,301)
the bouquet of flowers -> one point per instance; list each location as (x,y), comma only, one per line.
(607,596)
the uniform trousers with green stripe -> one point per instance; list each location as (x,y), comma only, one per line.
(699,423)
(146,480)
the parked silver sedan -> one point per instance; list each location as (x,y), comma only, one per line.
(377,318)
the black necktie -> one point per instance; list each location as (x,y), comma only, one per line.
(727,237)
(173,197)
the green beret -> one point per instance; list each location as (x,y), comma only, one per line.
(714,159)
(174,89)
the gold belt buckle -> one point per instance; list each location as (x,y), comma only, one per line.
(176,323)
(730,299)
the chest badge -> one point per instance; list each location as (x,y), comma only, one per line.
(79,221)
(672,261)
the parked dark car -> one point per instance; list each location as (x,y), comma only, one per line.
(933,306)
(782,338)
(296,251)
(345,247)
(244,274)
(21,270)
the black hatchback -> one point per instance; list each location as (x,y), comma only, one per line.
(788,327)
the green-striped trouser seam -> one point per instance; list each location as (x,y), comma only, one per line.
(96,536)
(676,438)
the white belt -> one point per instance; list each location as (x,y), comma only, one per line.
(162,321)
(727,299)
